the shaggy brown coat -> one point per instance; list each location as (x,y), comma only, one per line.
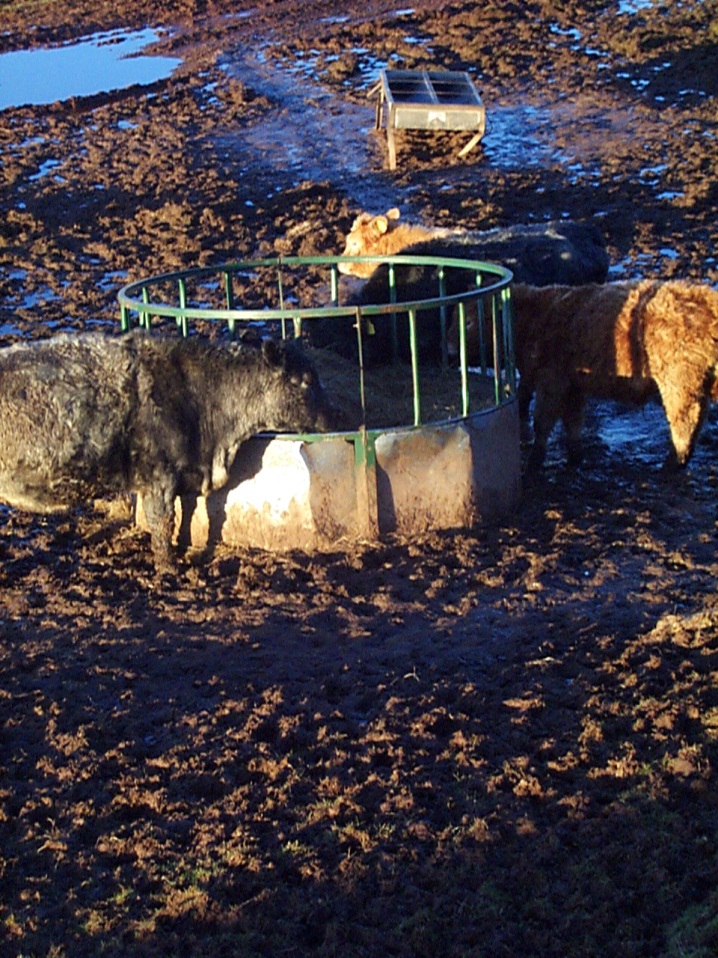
(624,341)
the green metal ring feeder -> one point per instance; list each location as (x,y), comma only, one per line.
(321,491)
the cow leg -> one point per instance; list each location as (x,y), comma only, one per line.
(573,422)
(546,414)
(524,394)
(159,512)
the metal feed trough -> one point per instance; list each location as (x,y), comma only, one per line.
(324,490)
(428,100)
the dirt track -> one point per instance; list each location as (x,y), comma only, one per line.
(495,742)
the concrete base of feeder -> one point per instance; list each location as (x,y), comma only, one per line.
(290,493)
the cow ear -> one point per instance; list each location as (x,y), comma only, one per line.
(381,224)
(271,353)
(393,213)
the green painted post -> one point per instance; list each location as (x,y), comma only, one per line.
(442,320)
(463,361)
(393,318)
(360,346)
(182,320)
(366,488)
(229,299)
(414,347)
(497,353)
(507,304)
(144,315)
(280,288)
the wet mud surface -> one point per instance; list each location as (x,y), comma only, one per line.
(497,741)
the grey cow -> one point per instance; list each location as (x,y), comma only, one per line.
(85,415)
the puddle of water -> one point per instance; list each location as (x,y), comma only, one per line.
(633,6)
(560,31)
(653,172)
(9,329)
(113,280)
(39,298)
(45,168)
(96,64)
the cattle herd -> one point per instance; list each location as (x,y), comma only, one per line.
(86,415)
(576,335)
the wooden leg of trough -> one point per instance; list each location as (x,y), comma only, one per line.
(471,144)
(391,143)
(390,139)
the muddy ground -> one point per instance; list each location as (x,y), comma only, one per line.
(492,742)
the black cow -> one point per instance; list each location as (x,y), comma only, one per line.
(85,415)
(570,254)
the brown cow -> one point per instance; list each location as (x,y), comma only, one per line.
(623,341)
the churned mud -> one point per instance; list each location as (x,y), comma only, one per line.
(491,742)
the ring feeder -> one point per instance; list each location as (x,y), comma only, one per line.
(444,470)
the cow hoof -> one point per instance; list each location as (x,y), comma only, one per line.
(535,459)
(165,564)
(672,464)
(526,433)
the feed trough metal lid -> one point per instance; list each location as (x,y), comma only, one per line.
(426,88)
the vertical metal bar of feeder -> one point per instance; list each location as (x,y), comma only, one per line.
(481,326)
(463,360)
(480,321)
(393,318)
(507,304)
(413,345)
(182,320)
(442,320)
(367,500)
(334,281)
(229,300)
(497,355)
(505,352)
(124,318)
(360,345)
(283,321)
(144,315)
